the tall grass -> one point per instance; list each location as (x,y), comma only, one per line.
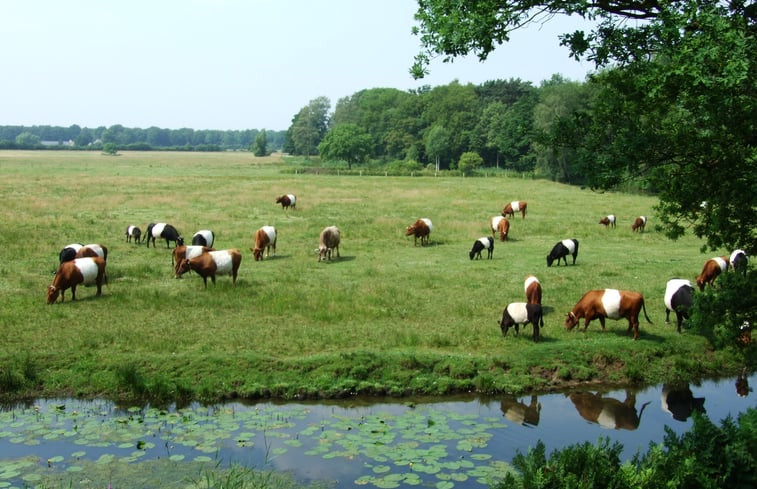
(293,326)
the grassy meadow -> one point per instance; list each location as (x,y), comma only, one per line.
(385,318)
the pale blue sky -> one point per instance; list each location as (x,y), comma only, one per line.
(227,64)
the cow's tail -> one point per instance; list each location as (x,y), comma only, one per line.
(644,308)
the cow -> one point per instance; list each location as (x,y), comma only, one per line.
(611,304)
(639,224)
(515,206)
(712,268)
(420,229)
(93,250)
(265,239)
(68,252)
(133,232)
(679,297)
(481,244)
(328,242)
(520,412)
(608,412)
(739,261)
(500,224)
(286,201)
(679,401)
(517,313)
(183,251)
(79,271)
(533,290)
(165,231)
(212,263)
(608,220)
(561,250)
(204,237)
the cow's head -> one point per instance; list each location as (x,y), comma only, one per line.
(506,322)
(571,320)
(182,267)
(257,253)
(550,260)
(52,294)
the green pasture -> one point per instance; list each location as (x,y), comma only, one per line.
(385,318)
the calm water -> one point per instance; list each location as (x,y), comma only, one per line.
(460,442)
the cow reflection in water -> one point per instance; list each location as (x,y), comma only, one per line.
(742,384)
(680,402)
(608,412)
(521,413)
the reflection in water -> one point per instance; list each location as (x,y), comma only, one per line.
(608,412)
(742,384)
(521,413)
(680,402)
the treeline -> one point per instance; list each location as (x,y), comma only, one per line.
(128,138)
(508,123)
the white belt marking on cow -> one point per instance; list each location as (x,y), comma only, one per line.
(270,231)
(611,217)
(721,263)
(75,246)
(130,230)
(517,311)
(193,251)
(672,288)
(735,254)
(495,222)
(568,243)
(644,220)
(531,280)
(292,199)
(428,223)
(97,249)
(485,242)
(611,303)
(223,261)
(515,205)
(88,269)
(157,229)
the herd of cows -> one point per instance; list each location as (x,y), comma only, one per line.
(85,265)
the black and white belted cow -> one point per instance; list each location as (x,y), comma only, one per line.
(561,250)
(517,313)
(203,237)
(165,231)
(481,244)
(679,297)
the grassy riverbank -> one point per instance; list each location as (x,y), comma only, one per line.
(386,318)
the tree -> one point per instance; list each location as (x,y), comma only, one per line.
(469,161)
(27,140)
(677,108)
(437,144)
(346,142)
(260,146)
(308,127)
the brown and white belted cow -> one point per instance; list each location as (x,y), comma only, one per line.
(212,263)
(286,201)
(712,268)
(420,229)
(92,250)
(639,224)
(265,239)
(187,251)
(608,220)
(80,271)
(515,206)
(500,224)
(533,290)
(611,304)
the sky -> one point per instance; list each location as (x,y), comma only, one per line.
(229,64)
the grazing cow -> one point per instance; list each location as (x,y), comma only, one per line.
(183,251)
(608,220)
(70,274)
(501,225)
(712,268)
(328,242)
(165,231)
(739,261)
(515,206)
(420,229)
(561,250)
(286,201)
(93,250)
(679,297)
(265,238)
(611,304)
(68,253)
(212,263)
(517,313)
(533,290)
(639,224)
(608,412)
(481,244)
(133,232)
(204,237)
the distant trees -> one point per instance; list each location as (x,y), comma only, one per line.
(260,146)
(308,128)
(346,142)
